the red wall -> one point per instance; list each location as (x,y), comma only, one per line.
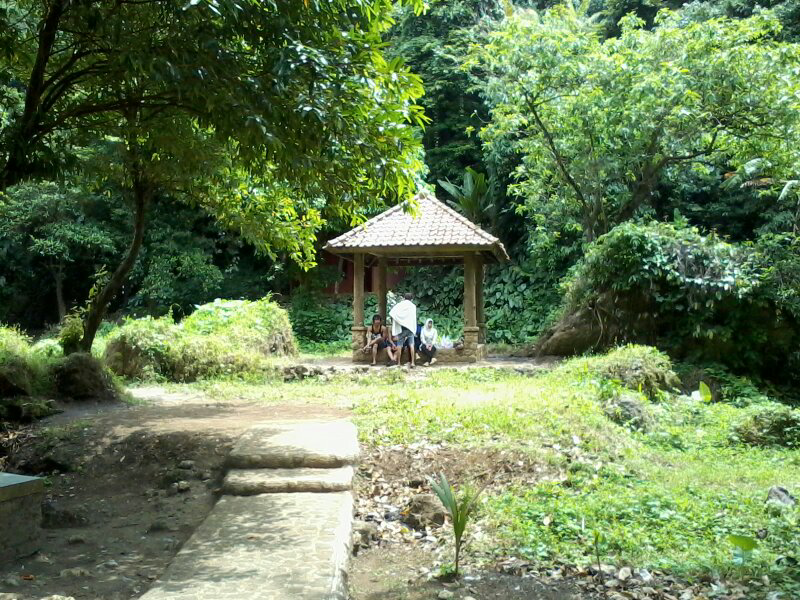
(394,275)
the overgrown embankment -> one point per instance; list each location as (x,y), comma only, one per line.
(696,296)
(222,338)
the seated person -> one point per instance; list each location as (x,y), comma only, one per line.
(376,338)
(427,339)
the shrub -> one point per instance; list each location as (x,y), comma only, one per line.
(260,326)
(23,378)
(769,424)
(224,337)
(642,369)
(80,377)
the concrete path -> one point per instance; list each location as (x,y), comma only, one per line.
(282,529)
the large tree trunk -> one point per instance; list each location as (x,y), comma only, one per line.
(99,305)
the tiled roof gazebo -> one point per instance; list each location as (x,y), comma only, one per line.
(435,235)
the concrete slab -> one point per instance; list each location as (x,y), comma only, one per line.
(266,547)
(248,482)
(321,444)
(15,486)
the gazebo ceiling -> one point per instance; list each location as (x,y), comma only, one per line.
(436,234)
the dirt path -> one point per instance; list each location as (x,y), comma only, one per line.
(127,485)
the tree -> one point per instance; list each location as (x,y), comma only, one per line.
(473,197)
(600,123)
(269,116)
(56,229)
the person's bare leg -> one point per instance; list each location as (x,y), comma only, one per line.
(411,352)
(374,354)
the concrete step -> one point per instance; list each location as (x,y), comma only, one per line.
(248,482)
(320,444)
(266,547)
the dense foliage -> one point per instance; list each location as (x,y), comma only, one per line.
(694,294)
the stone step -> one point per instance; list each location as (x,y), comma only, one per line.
(321,444)
(248,482)
(266,547)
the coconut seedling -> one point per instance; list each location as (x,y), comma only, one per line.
(459,507)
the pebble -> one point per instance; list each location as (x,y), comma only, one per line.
(183,486)
(75,572)
(187,465)
(76,539)
(446,595)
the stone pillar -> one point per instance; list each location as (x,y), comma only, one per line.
(480,309)
(358,330)
(381,288)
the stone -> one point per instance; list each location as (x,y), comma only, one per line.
(55,517)
(57,597)
(424,510)
(321,444)
(74,572)
(446,595)
(624,574)
(627,408)
(247,482)
(10,582)
(183,486)
(110,565)
(187,465)
(76,539)
(364,533)
(266,546)
(780,495)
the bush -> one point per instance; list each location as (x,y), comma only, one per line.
(770,424)
(23,373)
(697,296)
(222,338)
(639,368)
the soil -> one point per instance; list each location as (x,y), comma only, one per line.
(400,572)
(114,514)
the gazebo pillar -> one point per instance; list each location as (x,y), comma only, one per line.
(471,329)
(381,288)
(480,308)
(358,330)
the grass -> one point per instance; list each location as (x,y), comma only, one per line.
(664,499)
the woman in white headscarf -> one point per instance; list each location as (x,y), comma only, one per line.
(427,339)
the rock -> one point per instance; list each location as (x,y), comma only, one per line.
(171,544)
(624,574)
(76,539)
(183,486)
(110,565)
(780,495)
(424,510)
(205,476)
(446,595)
(9,595)
(627,408)
(54,517)
(644,575)
(364,533)
(187,465)
(10,582)
(74,572)
(57,597)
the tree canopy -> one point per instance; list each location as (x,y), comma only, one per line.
(599,122)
